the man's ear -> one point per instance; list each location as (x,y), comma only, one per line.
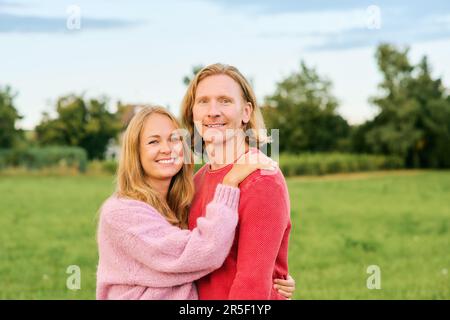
(248,109)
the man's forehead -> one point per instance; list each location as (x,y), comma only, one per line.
(218,85)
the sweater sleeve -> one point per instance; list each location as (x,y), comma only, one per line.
(177,256)
(264,217)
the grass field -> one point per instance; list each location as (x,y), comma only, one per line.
(341,224)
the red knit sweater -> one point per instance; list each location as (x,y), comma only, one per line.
(260,249)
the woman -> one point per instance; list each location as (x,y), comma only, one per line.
(145,249)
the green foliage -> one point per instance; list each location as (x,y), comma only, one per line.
(9,135)
(108,167)
(326,163)
(5,155)
(188,78)
(44,157)
(88,125)
(304,110)
(414,118)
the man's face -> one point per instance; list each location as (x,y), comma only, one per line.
(219,110)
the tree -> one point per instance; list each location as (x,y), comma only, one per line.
(414,112)
(79,123)
(304,111)
(9,134)
(195,69)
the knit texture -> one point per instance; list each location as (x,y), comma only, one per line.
(142,256)
(260,249)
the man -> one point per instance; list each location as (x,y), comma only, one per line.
(220,106)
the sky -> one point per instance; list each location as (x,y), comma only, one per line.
(139,51)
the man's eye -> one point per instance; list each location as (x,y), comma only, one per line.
(226,101)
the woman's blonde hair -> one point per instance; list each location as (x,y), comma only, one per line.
(256,123)
(131,182)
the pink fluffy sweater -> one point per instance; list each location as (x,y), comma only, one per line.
(142,256)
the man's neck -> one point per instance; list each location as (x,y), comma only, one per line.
(222,154)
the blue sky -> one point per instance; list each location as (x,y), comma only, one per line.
(139,51)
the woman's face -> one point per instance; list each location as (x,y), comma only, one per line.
(161,148)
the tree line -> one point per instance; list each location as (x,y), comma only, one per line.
(412,120)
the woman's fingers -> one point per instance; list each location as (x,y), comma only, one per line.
(287,281)
(285,288)
(286,285)
(254,161)
(267,166)
(285,294)
(283,282)
(254,158)
(288,288)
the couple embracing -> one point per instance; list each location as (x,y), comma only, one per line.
(221,234)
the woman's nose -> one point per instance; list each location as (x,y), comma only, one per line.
(165,147)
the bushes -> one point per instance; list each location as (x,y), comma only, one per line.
(290,164)
(325,163)
(4,156)
(44,157)
(328,163)
(96,167)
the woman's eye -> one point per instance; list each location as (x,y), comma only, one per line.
(153,142)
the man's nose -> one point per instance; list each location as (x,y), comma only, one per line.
(213,110)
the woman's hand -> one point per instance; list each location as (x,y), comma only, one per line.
(285,287)
(247,164)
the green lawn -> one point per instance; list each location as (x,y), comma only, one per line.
(341,225)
